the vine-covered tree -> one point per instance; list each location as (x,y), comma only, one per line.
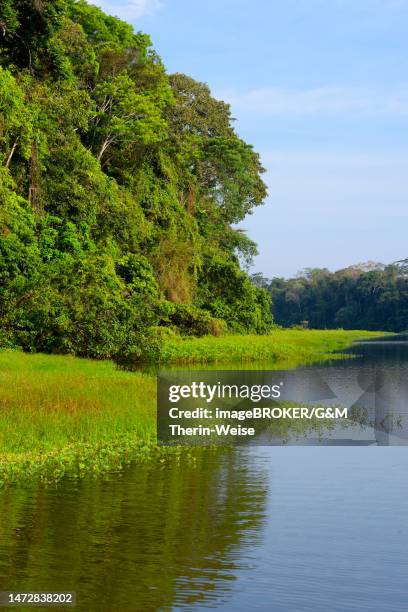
(118,188)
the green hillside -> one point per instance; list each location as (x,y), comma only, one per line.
(119,188)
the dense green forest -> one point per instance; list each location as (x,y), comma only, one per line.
(119,188)
(370,296)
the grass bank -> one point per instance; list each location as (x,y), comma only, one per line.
(61,414)
(282,346)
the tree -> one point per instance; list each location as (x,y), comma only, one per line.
(118,188)
(124,116)
(360,297)
(29,30)
(16,127)
(227,170)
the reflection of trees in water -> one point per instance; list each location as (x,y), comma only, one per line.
(375,388)
(146,538)
(375,412)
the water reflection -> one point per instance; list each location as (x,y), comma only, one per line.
(283,529)
(374,386)
(147,539)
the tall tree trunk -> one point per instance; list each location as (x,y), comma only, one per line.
(106,143)
(10,157)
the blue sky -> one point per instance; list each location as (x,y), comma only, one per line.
(320,88)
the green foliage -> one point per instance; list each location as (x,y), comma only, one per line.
(190,320)
(226,168)
(125,116)
(280,349)
(8,18)
(118,185)
(16,119)
(90,417)
(29,30)
(353,298)
(227,293)
(84,417)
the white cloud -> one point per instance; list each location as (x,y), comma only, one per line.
(130,9)
(329,100)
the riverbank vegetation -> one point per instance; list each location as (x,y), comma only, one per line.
(64,415)
(119,188)
(291,346)
(61,414)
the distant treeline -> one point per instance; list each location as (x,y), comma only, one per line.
(366,296)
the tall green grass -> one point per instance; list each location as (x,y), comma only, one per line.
(61,414)
(48,402)
(291,346)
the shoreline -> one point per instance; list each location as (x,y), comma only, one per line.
(90,418)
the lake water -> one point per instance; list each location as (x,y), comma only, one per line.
(296,528)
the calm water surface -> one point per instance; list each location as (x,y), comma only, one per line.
(281,529)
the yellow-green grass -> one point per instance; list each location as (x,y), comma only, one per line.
(48,401)
(61,414)
(281,346)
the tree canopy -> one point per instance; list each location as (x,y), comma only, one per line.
(367,296)
(119,188)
